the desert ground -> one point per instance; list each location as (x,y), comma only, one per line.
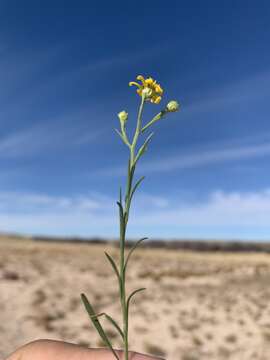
(197,305)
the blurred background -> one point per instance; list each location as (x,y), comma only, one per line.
(64,69)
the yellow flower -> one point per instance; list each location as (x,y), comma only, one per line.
(149,87)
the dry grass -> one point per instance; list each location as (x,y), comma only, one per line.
(197,305)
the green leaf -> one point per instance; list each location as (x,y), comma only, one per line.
(120,196)
(132,171)
(136,186)
(143,147)
(112,262)
(131,251)
(121,136)
(121,213)
(97,324)
(114,323)
(131,295)
(114,266)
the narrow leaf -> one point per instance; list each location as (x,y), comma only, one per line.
(118,132)
(132,294)
(132,249)
(120,196)
(122,137)
(114,323)
(121,213)
(120,208)
(132,171)
(143,147)
(114,266)
(97,324)
(136,186)
(112,262)
(98,315)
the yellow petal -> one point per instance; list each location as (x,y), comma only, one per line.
(157,100)
(149,81)
(141,78)
(134,83)
(158,89)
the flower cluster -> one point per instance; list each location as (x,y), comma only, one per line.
(149,90)
(149,87)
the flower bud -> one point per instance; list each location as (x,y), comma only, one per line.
(172,106)
(123,116)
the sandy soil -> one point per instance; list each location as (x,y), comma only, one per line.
(196,306)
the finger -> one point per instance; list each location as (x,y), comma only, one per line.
(52,350)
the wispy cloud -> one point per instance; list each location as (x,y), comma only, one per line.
(125,58)
(218,209)
(242,91)
(31,75)
(32,202)
(48,136)
(93,214)
(202,158)
(256,145)
(39,213)
(21,69)
(215,153)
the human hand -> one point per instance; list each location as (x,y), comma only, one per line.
(58,350)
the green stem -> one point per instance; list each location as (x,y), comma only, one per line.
(132,160)
(137,132)
(123,227)
(155,119)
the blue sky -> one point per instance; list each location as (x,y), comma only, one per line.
(64,71)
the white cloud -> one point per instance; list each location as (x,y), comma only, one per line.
(43,203)
(219,209)
(96,215)
(153,201)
